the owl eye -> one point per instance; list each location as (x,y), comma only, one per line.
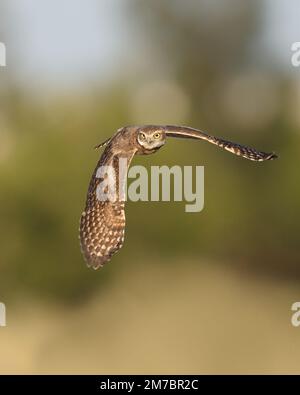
(156,135)
(142,136)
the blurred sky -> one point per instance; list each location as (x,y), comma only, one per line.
(71,41)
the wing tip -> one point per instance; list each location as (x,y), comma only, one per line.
(96,264)
(271,156)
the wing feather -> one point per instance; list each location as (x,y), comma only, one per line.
(235,148)
(102,223)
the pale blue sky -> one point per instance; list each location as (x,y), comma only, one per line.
(68,41)
(282,28)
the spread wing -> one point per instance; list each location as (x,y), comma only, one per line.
(102,223)
(237,149)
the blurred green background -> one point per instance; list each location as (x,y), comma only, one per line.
(209,292)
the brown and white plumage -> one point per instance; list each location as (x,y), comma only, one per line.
(102,224)
(237,149)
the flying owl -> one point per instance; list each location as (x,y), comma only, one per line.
(102,223)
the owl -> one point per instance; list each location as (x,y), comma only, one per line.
(102,223)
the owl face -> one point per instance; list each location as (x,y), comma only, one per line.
(151,139)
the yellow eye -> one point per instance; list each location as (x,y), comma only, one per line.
(157,135)
(142,136)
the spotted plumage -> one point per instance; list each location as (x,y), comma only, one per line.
(102,224)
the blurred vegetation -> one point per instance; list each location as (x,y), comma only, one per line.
(251,217)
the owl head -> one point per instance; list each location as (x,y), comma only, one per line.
(151,138)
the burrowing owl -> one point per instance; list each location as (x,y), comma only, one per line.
(102,224)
